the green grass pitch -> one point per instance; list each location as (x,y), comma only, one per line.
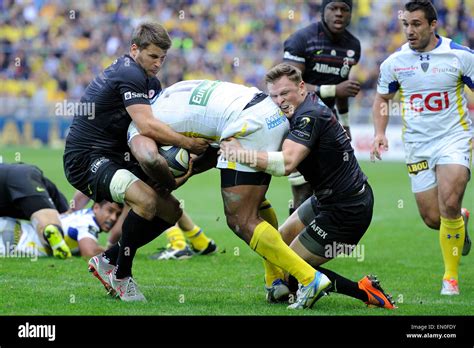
(398,248)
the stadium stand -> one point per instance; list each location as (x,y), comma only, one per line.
(50,50)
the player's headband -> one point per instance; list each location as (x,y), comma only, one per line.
(326,2)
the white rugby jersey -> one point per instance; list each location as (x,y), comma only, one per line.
(202,108)
(431,86)
(78,225)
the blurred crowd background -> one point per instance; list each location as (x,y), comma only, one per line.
(50,50)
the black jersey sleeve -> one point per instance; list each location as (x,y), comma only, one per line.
(294,48)
(357,51)
(304,130)
(132,84)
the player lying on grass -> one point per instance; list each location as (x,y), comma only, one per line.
(216,110)
(25,193)
(81,229)
(338,214)
(176,235)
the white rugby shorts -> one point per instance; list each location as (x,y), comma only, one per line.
(422,157)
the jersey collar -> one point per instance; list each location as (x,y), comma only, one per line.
(330,35)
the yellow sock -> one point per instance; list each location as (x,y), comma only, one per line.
(268,214)
(267,242)
(451,239)
(272,272)
(197,238)
(176,238)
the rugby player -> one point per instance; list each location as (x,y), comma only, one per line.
(81,230)
(97,160)
(325,53)
(177,236)
(336,217)
(25,193)
(430,72)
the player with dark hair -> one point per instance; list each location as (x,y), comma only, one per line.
(81,229)
(336,217)
(25,193)
(98,163)
(325,53)
(177,236)
(430,73)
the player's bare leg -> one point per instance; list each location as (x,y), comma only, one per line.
(241,205)
(440,209)
(428,207)
(300,189)
(452,180)
(48,226)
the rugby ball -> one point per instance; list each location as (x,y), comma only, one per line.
(177,158)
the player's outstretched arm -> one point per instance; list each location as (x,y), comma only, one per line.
(277,163)
(153,128)
(89,247)
(380,114)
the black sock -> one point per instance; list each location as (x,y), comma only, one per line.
(136,232)
(343,285)
(159,226)
(292,283)
(112,253)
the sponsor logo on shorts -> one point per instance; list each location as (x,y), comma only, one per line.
(415,168)
(40,189)
(95,166)
(319,231)
(132,95)
(202,93)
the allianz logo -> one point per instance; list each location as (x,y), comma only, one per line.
(326,69)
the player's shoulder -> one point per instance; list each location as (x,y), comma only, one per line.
(126,68)
(311,30)
(399,54)
(352,40)
(455,48)
(313,107)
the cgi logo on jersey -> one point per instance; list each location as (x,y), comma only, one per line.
(432,102)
